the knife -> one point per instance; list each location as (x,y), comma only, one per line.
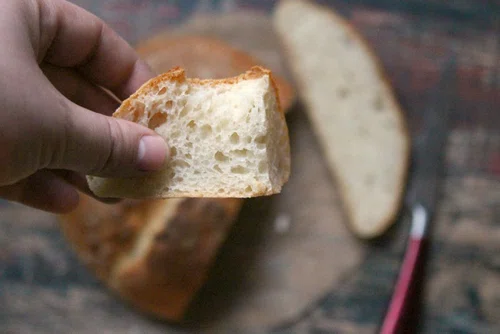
(423,194)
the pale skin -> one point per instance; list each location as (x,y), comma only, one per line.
(55,124)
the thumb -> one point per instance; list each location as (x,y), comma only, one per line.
(96,144)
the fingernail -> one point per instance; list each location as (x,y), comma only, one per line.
(152,153)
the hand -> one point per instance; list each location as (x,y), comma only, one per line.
(55,60)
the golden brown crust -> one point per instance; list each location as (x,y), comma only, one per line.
(390,219)
(165,279)
(175,74)
(178,74)
(205,58)
(168,274)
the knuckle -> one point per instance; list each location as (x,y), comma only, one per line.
(117,152)
(106,148)
(58,133)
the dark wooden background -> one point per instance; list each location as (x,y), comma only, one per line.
(413,38)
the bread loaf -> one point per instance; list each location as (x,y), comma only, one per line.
(155,254)
(206,58)
(353,110)
(228,137)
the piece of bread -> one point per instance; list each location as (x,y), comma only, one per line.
(353,110)
(205,58)
(227,137)
(154,254)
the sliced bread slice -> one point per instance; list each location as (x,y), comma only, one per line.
(353,110)
(228,137)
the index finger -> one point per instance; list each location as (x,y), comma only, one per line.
(74,37)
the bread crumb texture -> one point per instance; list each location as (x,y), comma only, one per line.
(227,137)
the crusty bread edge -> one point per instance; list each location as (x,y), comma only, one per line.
(120,282)
(172,309)
(178,74)
(386,223)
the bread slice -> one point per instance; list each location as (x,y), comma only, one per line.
(206,58)
(155,254)
(228,137)
(353,110)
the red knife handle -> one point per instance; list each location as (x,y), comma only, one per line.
(407,274)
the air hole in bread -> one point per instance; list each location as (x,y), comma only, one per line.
(189,145)
(184,111)
(219,156)
(138,111)
(239,170)
(188,156)
(156,120)
(343,92)
(162,91)
(173,151)
(217,168)
(191,124)
(169,104)
(260,139)
(175,134)
(240,153)
(206,130)
(235,138)
(249,189)
(180,163)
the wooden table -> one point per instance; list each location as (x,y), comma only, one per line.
(412,38)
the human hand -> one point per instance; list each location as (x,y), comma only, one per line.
(54,117)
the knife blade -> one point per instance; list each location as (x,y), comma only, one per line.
(423,190)
(429,145)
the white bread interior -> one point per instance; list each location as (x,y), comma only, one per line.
(353,110)
(227,138)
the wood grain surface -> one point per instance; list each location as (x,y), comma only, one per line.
(44,289)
